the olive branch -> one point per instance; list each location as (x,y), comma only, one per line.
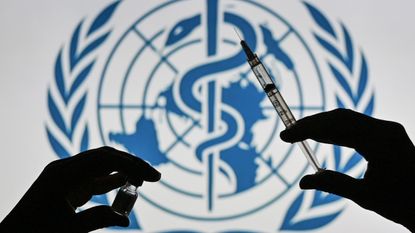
(353,81)
(67,94)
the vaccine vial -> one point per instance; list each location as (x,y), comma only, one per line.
(125,199)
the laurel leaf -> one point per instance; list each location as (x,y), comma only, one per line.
(363,77)
(352,162)
(100,199)
(369,108)
(342,81)
(349,58)
(321,198)
(60,82)
(320,19)
(337,156)
(73,48)
(306,224)
(103,17)
(79,108)
(56,146)
(292,212)
(93,45)
(85,139)
(134,223)
(329,47)
(339,102)
(80,79)
(56,115)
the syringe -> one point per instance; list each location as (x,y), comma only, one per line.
(277,101)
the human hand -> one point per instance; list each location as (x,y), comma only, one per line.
(64,185)
(390,154)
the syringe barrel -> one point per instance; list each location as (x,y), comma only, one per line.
(281,107)
(273,93)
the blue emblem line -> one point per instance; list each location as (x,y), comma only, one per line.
(150,44)
(179,138)
(229,41)
(212,21)
(274,170)
(285,35)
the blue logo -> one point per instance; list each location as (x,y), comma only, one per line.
(176,90)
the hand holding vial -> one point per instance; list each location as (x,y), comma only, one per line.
(64,185)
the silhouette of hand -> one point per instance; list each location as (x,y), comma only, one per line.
(386,187)
(50,203)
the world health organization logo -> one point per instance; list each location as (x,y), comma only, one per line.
(175,89)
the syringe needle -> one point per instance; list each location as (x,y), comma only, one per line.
(239,36)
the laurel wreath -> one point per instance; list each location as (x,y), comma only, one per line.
(343,51)
(68,85)
(73,66)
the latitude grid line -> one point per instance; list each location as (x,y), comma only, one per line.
(158,52)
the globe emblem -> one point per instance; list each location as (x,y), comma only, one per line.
(179,94)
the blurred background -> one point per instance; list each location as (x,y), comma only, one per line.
(111,54)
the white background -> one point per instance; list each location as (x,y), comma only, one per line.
(32,32)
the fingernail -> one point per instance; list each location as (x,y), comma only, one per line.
(307,182)
(285,136)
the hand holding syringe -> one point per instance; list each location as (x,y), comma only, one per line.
(277,101)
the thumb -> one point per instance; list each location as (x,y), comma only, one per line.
(99,217)
(335,183)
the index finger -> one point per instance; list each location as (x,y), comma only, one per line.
(104,160)
(348,128)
